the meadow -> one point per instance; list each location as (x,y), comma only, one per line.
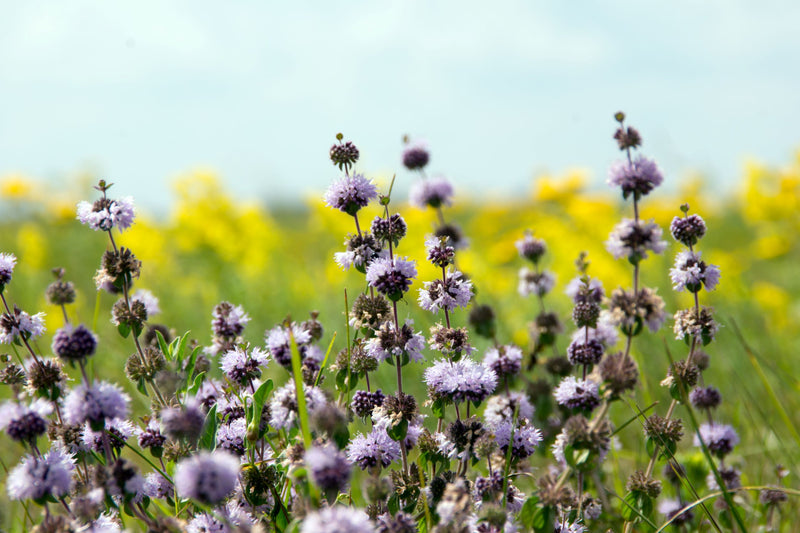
(278,263)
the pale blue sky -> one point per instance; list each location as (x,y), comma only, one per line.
(141,91)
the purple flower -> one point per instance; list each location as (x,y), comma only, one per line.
(149,301)
(585,291)
(184,422)
(434,192)
(575,393)
(208,392)
(440,250)
(106,213)
(95,404)
(416,155)
(230,436)
(24,423)
(364,402)
(350,194)
(461,380)
(34,478)
(119,430)
(633,239)
(242,367)
(278,341)
(448,295)
(228,320)
(671,509)
(207,477)
(719,438)
(531,248)
(105,523)
(328,467)
(232,518)
(583,352)
(283,405)
(692,273)
(7,262)
(391,277)
(532,282)
(338,519)
(565,526)
(605,333)
(373,449)
(74,343)
(525,438)
(637,177)
(18,324)
(150,436)
(501,408)
(505,360)
(362,248)
(157,486)
(688,230)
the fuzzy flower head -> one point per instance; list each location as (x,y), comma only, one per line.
(36,478)
(637,177)
(228,320)
(391,277)
(283,405)
(631,311)
(531,248)
(7,262)
(241,366)
(95,404)
(278,341)
(207,477)
(119,430)
(719,438)
(230,436)
(148,299)
(461,380)
(671,510)
(416,155)
(74,343)
(373,449)
(105,214)
(388,344)
(501,408)
(24,423)
(533,282)
(452,342)
(585,290)
(575,393)
(390,229)
(692,273)
(455,292)
(337,519)
(328,467)
(18,325)
(691,323)
(524,440)
(633,240)
(157,486)
(505,360)
(688,230)
(439,250)
(361,249)
(605,331)
(351,193)
(434,192)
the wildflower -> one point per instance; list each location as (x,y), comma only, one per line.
(689,323)
(60,292)
(207,477)
(362,248)
(399,523)
(439,251)
(373,449)
(35,478)
(242,367)
(582,352)
(619,373)
(151,437)
(228,320)
(391,276)
(350,194)
(671,509)
(369,312)
(505,360)
(688,230)
(208,392)
(489,489)
(119,431)
(525,438)
(531,248)
(20,325)
(364,402)
(705,397)
(105,214)
(452,342)
(328,467)
(604,331)
(157,486)
(575,393)
(46,378)
(24,423)
(633,239)
(501,408)
(7,262)
(637,177)
(731,477)
(278,341)
(74,343)
(387,344)
(565,526)
(232,518)
(184,422)
(772,496)
(639,482)
(692,273)
(148,299)
(630,311)
(416,155)
(532,282)
(338,519)
(663,431)
(344,154)
(455,291)
(390,229)
(283,405)
(585,290)
(230,436)
(434,192)
(95,404)
(461,380)
(105,523)
(627,137)
(719,438)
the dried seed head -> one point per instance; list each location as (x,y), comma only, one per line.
(482,320)
(639,482)
(619,373)
(60,292)
(369,312)
(662,430)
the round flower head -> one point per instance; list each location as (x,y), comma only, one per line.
(565,526)
(583,352)
(364,402)
(434,192)
(338,519)
(207,477)
(242,367)
(389,229)
(416,155)
(228,320)
(391,277)
(24,423)
(605,333)
(350,193)
(633,239)
(532,282)
(692,273)
(575,393)
(184,422)
(157,486)
(328,467)
(452,342)
(691,323)
(505,360)
(230,436)
(283,405)
(719,438)
(373,449)
(630,311)
(344,154)
(582,290)
(637,177)
(74,343)
(387,343)
(671,509)
(688,230)
(523,442)
(440,250)
(19,324)
(361,250)
(95,404)
(151,436)
(35,478)
(105,214)
(531,248)
(448,295)
(501,408)
(278,341)
(462,380)
(148,299)
(7,262)
(118,429)
(231,518)
(705,397)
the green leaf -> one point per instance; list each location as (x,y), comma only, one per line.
(190,367)
(208,440)
(341,437)
(162,343)
(543,520)
(141,386)
(259,398)
(394,504)
(124,330)
(180,348)
(398,431)
(630,507)
(325,360)
(302,410)
(198,380)
(438,408)
(528,511)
